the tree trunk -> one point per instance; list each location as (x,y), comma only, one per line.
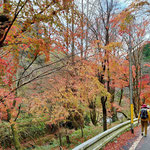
(67,42)
(103,101)
(137,88)
(135,107)
(93,113)
(113,109)
(87,30)
(82,134)
(134,98)
(68,139)
(93,117)
(105,63)
(16,138)
(60,139)
(114,115)
(14,132)
(121,96)
(82,31)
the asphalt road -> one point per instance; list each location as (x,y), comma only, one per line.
(144,144)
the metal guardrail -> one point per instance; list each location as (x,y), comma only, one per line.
(102,139)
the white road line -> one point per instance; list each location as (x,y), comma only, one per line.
(137,142)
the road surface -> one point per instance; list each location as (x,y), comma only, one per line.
(142,143)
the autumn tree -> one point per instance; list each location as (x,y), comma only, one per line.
(103,32)
(74,93)
(17,44)
(130,28)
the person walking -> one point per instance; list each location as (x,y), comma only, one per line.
(144,114)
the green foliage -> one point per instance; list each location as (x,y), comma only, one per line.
(32,130)
(146,52)
(5,135)
(89,132)
(43,147)
(86,120)
(27,131)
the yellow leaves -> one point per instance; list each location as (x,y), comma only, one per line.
(129,18)
(123,26)
(90,89)
(101,90)
(114,45)
(59,113)
(69,99)
(111,46)
(36,106)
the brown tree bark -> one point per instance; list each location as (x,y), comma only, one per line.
(93,116)
(121,95)
(15,135)
(103,102)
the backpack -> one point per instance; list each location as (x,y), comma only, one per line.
(144,114)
